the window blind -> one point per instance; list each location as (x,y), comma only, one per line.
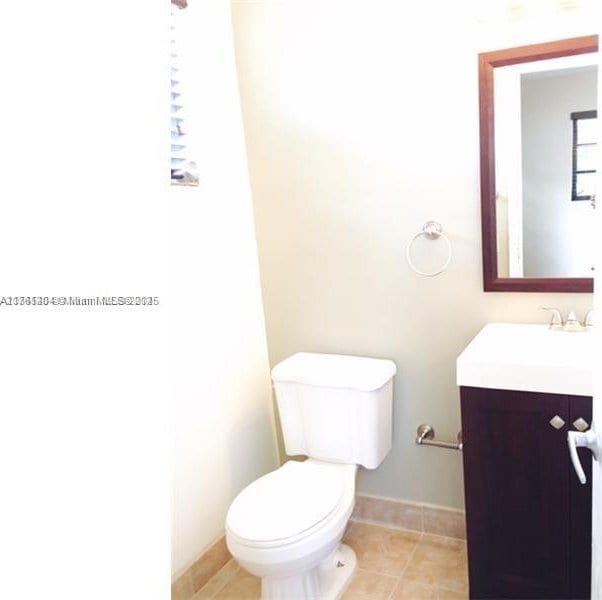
(183,169)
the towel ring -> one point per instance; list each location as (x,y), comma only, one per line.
(431,230)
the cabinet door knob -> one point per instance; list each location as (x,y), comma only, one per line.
(580,424)
(557,422)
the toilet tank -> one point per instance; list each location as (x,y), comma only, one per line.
(336,408)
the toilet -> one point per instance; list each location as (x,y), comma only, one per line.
(286,527)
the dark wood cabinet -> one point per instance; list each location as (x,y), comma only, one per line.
(528,518)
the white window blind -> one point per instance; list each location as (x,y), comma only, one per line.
(183,169)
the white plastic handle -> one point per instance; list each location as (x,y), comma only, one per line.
(575,439)
(586,439)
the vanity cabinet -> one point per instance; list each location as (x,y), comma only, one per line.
(528,518)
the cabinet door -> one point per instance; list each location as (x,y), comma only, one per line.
(516,480)
(581,508)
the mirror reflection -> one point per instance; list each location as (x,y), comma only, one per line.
(546,134)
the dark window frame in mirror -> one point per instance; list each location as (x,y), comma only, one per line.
(576,117)
(488,61)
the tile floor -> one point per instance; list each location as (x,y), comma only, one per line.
(393,565)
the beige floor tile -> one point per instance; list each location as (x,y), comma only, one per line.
(440,562)
(451,595)
(413,590)
(381,550)
(218,581)
(241,586)
(393,565)
(436,545)
(370,586)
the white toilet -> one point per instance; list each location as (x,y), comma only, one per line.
(287,526)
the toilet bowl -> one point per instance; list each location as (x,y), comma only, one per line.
(286,527)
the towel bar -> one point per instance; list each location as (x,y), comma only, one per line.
(425,436)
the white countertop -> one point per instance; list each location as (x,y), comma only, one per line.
(531,358)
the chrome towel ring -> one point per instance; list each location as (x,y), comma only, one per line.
(431,230)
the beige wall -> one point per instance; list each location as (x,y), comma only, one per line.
(223,421)
(361,123)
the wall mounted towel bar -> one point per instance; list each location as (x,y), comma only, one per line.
(425,436)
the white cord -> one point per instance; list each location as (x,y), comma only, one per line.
(431,230)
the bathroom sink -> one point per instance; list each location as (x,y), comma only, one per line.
(532,358)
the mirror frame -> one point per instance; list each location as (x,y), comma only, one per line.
(488,61)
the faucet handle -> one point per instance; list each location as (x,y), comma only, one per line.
(588,321)
(556,319)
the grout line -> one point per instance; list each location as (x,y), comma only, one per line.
(422,535)
(390,596)
(403,529)
(445,537)
(385,525)
(393,589)
(409,559)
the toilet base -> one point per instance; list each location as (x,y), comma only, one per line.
(327,581)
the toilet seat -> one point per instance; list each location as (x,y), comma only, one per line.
(289,503)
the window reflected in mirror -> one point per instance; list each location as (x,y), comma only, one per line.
(585,139)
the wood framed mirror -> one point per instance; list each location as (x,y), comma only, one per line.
(538,134)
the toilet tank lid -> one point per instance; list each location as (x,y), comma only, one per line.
(335,371)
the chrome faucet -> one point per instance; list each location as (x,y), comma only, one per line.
(571,323)
(556,321)
(589,319)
